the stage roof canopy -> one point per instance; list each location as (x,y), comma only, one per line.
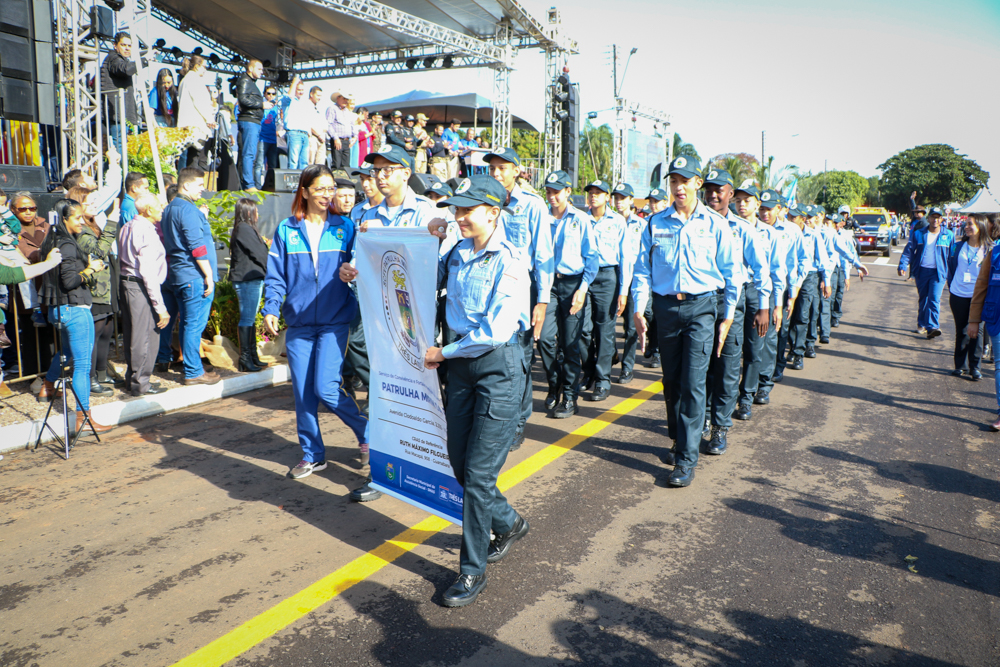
(327,29)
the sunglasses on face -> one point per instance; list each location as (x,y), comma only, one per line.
(25,209)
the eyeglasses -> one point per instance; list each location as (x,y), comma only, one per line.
(272,94)
(386,171)
(323,191)
(25,209)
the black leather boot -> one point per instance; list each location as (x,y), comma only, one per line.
(246,361)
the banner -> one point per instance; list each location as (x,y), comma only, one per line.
(407,436)
(642,153)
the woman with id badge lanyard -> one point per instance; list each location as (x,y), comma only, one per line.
(964,266)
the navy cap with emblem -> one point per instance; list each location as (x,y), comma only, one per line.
(796,212)
(506,154)
(395,154)
(688,167)
(598,185)
(658,194)
(818,210)
(748,187)
(364,171)
(769,199)
(440,188)
(475,191)
(782,200)
(718,177)
(624,189)
(806,210)
(935,210)
(831,215)
(558,180)
(835,217)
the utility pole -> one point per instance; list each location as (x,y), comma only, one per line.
(762,158)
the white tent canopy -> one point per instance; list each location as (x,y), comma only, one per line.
(983,202)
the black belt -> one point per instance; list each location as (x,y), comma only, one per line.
(608,268)
(684,296)
(133,279)
(563,276)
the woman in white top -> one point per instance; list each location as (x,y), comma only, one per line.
(963,269)
(195,108)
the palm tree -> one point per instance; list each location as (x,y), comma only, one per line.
(682,148)
(771,178)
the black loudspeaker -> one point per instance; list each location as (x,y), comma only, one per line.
(286,180)
(17,57)
(18,99)
(102,22)
(14,178)
(421,183)
(15,17)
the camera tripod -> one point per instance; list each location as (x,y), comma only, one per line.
(68,441)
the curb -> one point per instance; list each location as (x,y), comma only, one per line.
(22,436)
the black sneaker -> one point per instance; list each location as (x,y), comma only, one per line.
(796,364)
(743,412)
(761,397)
(717,445)
(552,398)
(655,363)
(810,352)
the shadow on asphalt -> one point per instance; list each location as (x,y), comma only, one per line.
(606,629)
(857,535)
(925,475)
(861,393)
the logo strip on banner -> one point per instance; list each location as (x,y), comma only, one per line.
(286,612)
(397,289)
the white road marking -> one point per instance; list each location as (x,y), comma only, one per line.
(882,261)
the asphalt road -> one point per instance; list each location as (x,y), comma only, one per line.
(170,535)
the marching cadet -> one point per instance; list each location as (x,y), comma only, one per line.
(659,200)
(609,228)
(844,282)
(576,266)
(686,257)
(823,264)
(623,198)
(758,352)
(805,304)
(526,225)
(752,314)
(795,263)
(401,206)
(843,257)
(373,196)
(488,299)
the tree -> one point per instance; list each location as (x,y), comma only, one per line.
(810,185)
(682,148)
(596,153)
(740,166)
(874,196)
(937,173)
(842,187)
(525,142)
(770,177)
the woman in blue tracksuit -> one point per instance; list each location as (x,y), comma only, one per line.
(302,283)
(487,310)
(926,255)
(963,271)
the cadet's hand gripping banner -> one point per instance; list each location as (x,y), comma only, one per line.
(397,282)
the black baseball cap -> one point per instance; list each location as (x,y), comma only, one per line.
(718,177)
(623,189)
(599,185)
(558,180)
(475,191)
(506,154)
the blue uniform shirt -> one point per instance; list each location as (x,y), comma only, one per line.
(796,261)
(847,241)
(631,240)
(415,211)
(690,256)
(608,233)
(526,225)
(575,249)
(754,262)
(359,211)
(838,250)
(822,262)
(488,295)
(773,246)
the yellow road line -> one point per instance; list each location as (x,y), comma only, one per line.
(286,612)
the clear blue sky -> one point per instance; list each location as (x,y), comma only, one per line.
(850,82)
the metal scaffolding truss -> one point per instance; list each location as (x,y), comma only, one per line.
(79,111)
(635,111)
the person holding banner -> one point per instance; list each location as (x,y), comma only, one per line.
(488,302)
(303,284)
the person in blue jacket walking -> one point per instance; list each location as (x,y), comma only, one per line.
(303,283)
(926,256)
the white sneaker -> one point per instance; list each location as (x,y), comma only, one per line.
(306,468)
